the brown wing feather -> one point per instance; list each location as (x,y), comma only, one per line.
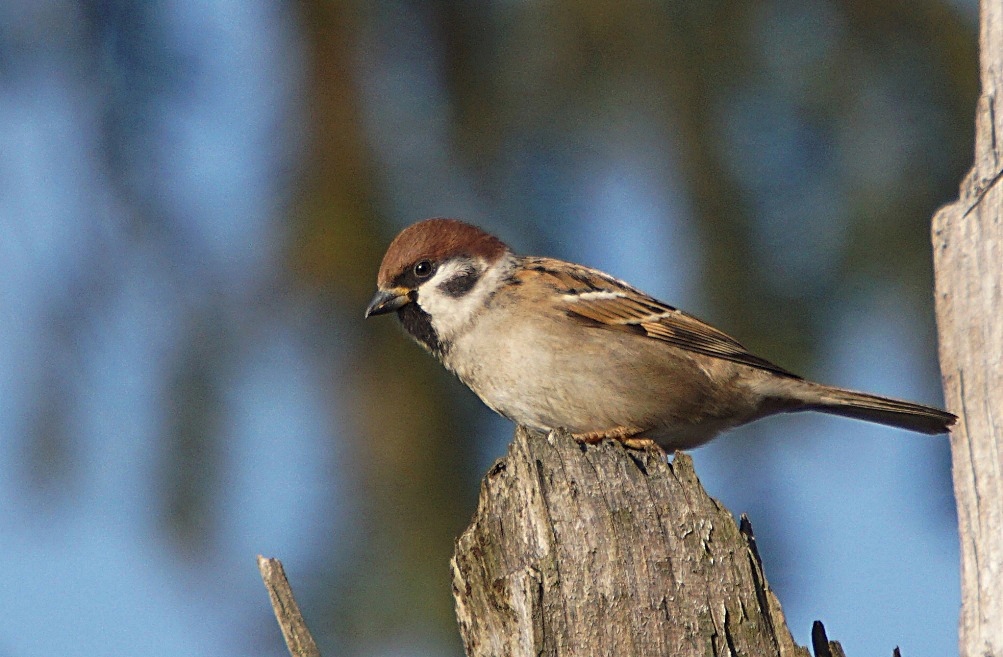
(628,309)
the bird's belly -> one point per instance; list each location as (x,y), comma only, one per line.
(598,386)
(532,387)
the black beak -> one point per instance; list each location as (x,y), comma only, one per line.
(387,301)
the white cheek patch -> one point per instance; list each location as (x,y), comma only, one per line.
(451,301)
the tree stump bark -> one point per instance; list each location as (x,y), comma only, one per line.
(968,266)
(599,550)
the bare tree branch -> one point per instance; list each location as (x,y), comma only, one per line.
(298,638)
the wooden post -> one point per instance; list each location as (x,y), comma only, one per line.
(601,550)
(968,267)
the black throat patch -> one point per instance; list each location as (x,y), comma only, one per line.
(418,323)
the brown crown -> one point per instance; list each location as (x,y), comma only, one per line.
(436,240)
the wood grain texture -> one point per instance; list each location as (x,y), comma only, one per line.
(600,550)
(968,266)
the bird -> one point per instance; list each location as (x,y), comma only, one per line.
(551,344)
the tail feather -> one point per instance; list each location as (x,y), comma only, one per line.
(883,410)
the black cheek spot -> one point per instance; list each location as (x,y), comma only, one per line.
(461,284)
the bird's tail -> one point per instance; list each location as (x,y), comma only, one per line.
(873,408)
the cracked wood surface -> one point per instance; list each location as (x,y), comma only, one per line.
(968,266)
(599,550)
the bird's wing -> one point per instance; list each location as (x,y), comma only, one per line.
(592,296)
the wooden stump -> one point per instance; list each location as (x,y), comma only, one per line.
(599,550)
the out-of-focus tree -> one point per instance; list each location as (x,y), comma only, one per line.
(407,448)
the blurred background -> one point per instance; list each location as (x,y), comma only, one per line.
(194,198)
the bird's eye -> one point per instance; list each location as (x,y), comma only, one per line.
(423,269)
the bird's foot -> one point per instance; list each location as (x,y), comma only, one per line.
(626,435)
(642,444)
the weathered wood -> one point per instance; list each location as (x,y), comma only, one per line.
(823,647)
(968,264)
(599,550)
(299,641)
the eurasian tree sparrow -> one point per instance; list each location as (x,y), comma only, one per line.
(549,344)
